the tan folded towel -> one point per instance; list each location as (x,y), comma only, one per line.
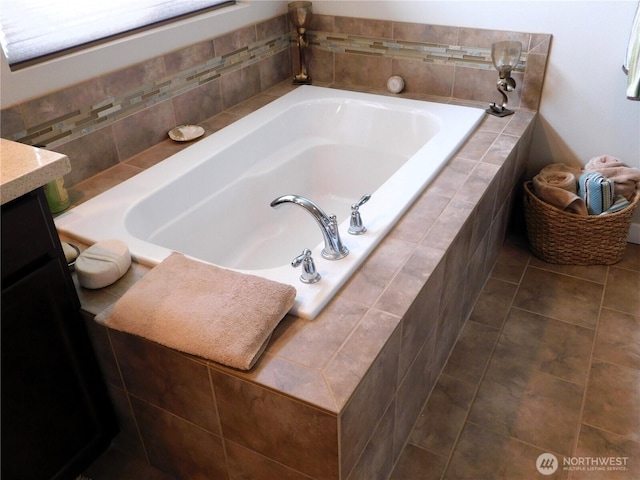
(204,310)
(556,184)
(624,178)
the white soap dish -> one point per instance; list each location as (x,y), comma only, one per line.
(395,84)
(102,264)
(186,133)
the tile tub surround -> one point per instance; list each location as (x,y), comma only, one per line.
(344,408)
(445,443)
(439,60)
(106,120)
(335,397)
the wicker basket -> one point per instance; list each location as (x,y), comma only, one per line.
(561,237)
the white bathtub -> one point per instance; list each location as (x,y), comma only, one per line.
(212,200)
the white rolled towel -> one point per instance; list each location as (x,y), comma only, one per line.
(102,264)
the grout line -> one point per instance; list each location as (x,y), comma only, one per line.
(482,376)
(578,277)
(589,368)
(128,399)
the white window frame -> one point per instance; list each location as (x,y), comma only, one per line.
(33,30)
(37,80)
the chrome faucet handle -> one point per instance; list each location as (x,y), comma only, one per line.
(356,227)
(309,272)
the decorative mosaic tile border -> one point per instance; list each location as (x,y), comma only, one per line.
(84,121)
(453,55)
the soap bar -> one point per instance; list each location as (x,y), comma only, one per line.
(102,264)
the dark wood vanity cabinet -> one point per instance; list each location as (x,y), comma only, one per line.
(56,415)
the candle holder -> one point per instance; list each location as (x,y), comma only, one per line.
(300,16)
(505,57)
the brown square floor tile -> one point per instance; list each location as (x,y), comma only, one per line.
(531,406)
(613,399)
(560,296)
(494,302)
(618,338)
(623,291)
(631,259)
(483,454)
(595,273)
(593,442)
(471,352)
(547,345)
(512,261)
(443,415)
(415,463)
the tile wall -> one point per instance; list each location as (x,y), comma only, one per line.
(443,61)
(108,119)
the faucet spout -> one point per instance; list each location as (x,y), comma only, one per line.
(333,247)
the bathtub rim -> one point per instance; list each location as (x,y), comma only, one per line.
(157,177)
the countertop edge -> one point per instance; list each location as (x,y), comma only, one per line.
(26,168)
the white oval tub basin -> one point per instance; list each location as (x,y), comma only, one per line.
(211,201)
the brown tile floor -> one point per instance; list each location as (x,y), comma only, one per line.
(549,362)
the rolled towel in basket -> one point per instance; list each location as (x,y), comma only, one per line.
(557,185)
(597,192)
(561,167)
(624,178)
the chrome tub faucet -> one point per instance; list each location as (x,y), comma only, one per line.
(333,248)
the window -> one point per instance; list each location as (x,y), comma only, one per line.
(33,29)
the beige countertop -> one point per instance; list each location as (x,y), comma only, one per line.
(25,168)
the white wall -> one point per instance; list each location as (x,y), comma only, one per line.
(37,80)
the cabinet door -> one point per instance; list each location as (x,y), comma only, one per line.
(49,415)
(27,233)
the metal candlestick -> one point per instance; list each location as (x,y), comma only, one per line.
(300,15)
(505,57)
